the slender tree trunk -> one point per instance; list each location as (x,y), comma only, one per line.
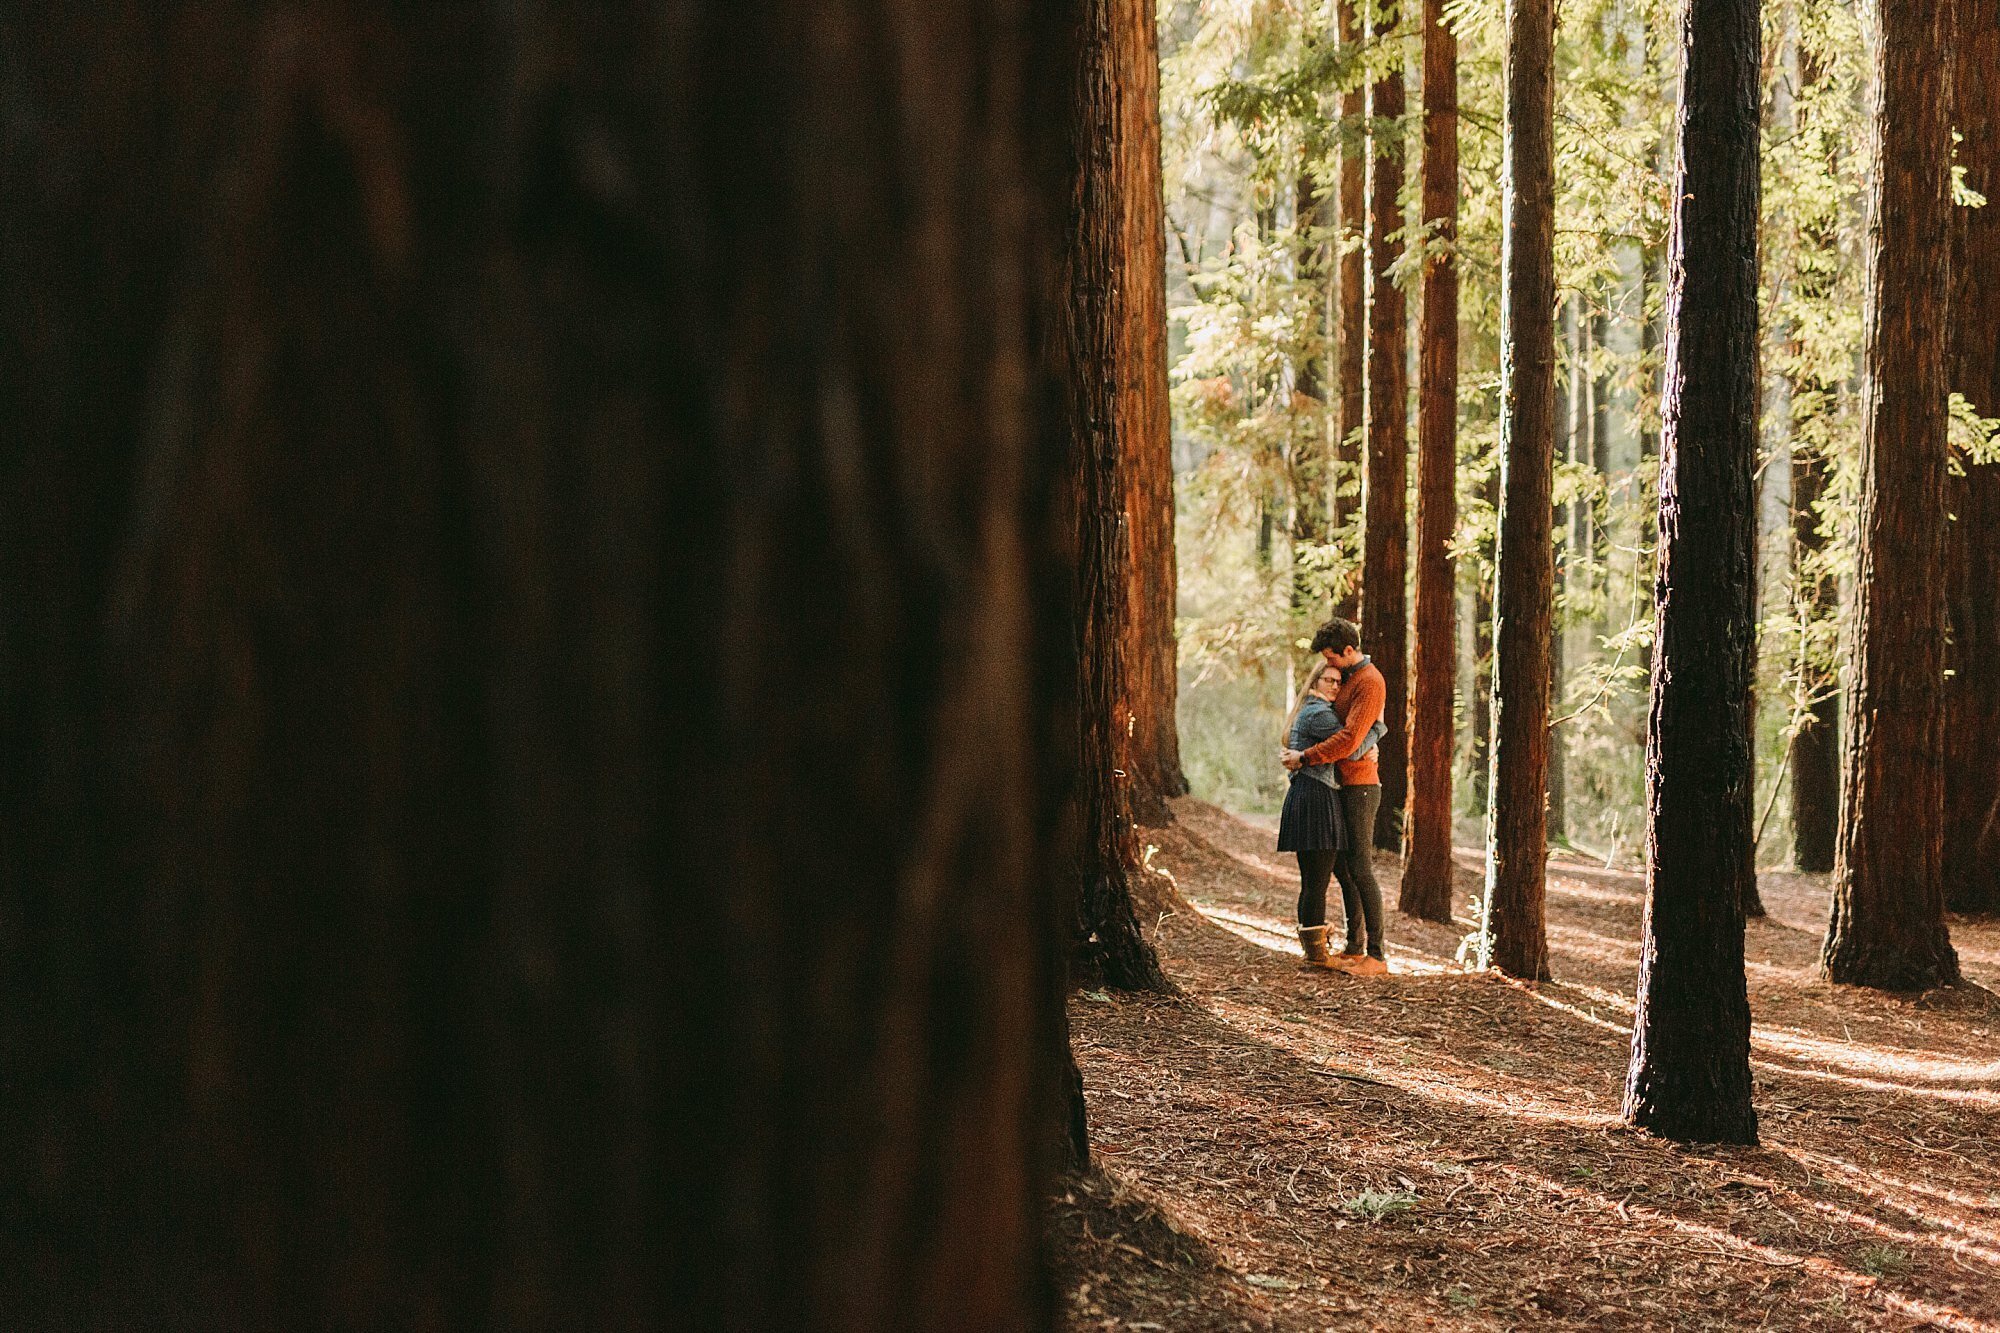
(1427,868)
(1312,452)
(1482,667)
(1517,820)
(1815,394)
(1094,350)
(433,470)
(1574,412)
(1353,301)
(1385,561)
(1887,928)
(1690,1070)
(1972,547)
(1153,748)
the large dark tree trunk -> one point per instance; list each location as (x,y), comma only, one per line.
(1690,1070)
(1427,868)
(1385,612)
(519,621)
(1517,841)
(1815,395)
(1972,546)
(1094,344)
(1153,752)
(1887,928)
(1353,301)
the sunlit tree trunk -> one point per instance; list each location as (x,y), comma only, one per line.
(1573,410)
(1887,928)
(1353,300)
(526,610)
(1096,341)
(1312,451)
(1815,395)
(1517,815)
(1690,1070)
(1385,561)
(1427,869)
(1144,422)
(1972,545)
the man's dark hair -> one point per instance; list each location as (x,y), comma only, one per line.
(1337,634)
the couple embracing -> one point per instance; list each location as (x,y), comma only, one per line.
(1329,815)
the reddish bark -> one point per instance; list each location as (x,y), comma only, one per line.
(1887,929)
(1517,815)
(1972,544)
(1385,593)
(1427,869)
(1152,752)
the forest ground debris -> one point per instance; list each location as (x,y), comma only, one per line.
(1238,1126)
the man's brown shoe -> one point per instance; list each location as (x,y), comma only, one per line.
(1364,966)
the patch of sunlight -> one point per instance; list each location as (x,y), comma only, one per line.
(1965,1096)
(1886,1189)
(1887,1062)
(1410,1078)
(1542,996)
(1590,893)
(1728,1245)
(1589,944)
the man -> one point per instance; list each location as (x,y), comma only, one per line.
(1363,695)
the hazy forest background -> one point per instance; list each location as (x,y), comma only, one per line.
(1256,129)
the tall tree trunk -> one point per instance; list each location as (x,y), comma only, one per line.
(1353,300)
(1312,453)
(1153,752)
(1427,867)
(1093,352)
(1385,560)
(1887,928)
(1690,1071)
(1572,425)
(419,913)
(1517,841)
(1482,664)
(1815,394)
(1972,546)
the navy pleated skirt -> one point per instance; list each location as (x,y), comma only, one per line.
(1311,820)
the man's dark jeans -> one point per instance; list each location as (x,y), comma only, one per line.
(1359,892)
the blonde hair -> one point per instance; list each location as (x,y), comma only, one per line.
(1312,679)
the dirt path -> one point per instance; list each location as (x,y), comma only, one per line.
(1294,1150)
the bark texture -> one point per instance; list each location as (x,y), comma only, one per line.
(1815,395)
(1312,452)
(443,442)
(1972,545)
(1690,1072)
(1427,867)
(1517,813)
(1094,346)
(1353,303)
(1385,610)
(1887,928)
(1153,752)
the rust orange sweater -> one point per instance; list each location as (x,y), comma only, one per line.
(1360,700)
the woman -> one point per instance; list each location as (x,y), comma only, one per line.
(1311,825)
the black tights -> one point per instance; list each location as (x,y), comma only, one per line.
(1315,869)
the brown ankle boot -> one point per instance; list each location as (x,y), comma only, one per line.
(1367,965)
(1312,939)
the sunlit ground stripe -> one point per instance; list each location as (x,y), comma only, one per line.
(1943,1316)
(1882,1189)
(1884,1061)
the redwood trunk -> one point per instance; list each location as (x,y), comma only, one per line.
(1972,547)
(1353,305)
(1517,815)
(1815,767)
(1427,868)
(519,644)
(1153,756)
(1094,350)
(1690,1071)
(1385,557)
(1887,928)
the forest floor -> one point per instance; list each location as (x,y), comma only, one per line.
(1283,1149)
